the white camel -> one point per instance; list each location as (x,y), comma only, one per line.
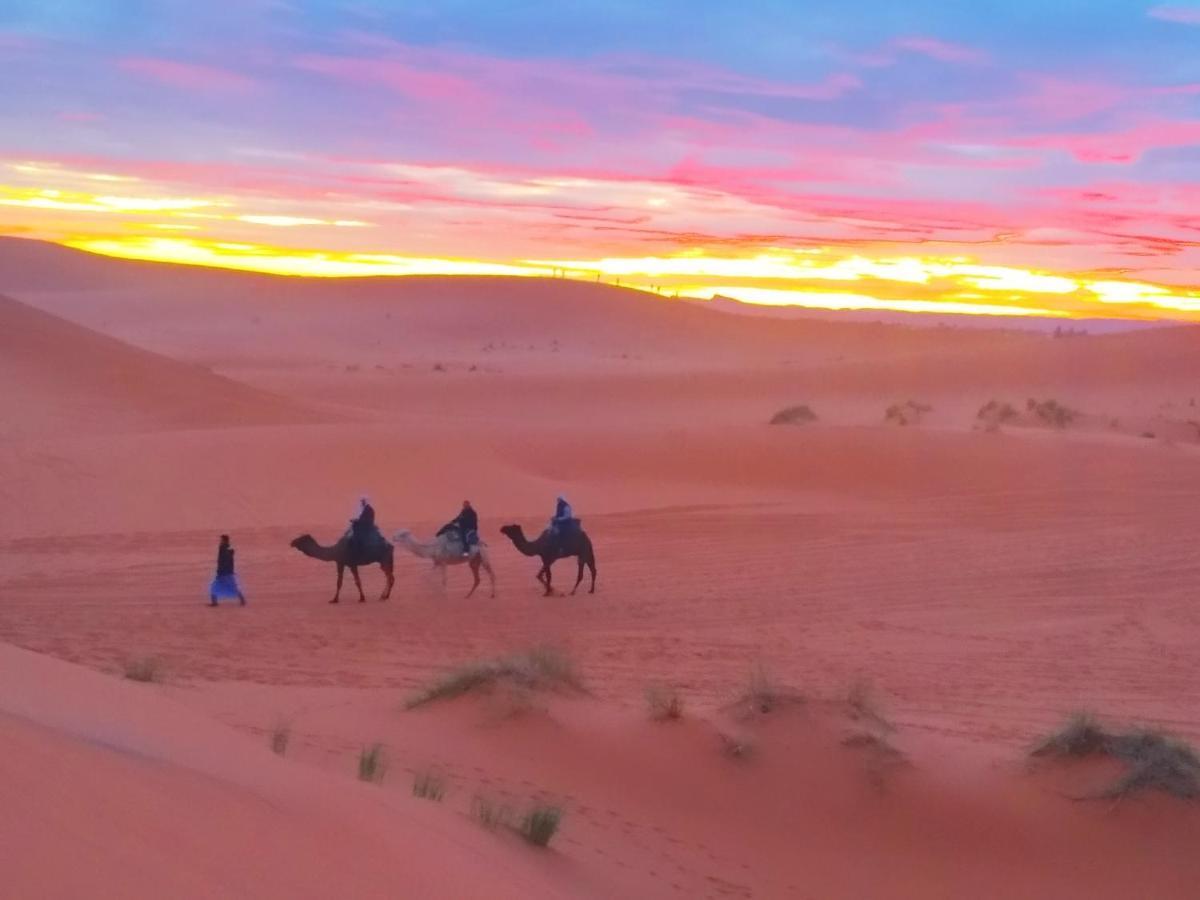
(446,550)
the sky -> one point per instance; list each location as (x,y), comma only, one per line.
(965,156)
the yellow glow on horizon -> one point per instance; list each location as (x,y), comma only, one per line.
(956,285)
(285,261)
(824,300)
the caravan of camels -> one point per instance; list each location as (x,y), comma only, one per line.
(456,543)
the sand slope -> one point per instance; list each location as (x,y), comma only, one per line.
(114,791)
(984,584)
(63,378)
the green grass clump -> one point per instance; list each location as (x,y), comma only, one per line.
(146,669)
(1153,760)
(541,668)
(428,786)
(371,764)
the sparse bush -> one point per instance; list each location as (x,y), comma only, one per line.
(860,699)
(1051,412)
(371,764)
(1154,761)
(736,747)
(540,824)
(664,702)
(490,813)
(428,786)
(995,413)
(542,668)
(281,736)
(146,669)
(762,694)
(909,413)
(794,415)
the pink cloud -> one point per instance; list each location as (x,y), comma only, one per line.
(187,76)
(1122,147)
(942,51)
(1184,15)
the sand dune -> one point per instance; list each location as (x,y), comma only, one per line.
(984,583)
(63,378)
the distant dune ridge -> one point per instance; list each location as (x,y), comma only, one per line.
(61,377)
(815,664)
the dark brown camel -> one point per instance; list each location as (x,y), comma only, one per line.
(548,549)
(342,554)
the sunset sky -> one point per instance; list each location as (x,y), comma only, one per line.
(928,155)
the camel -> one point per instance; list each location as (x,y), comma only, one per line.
(341,554)
(548,549)
(445,550)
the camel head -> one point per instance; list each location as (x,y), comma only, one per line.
(305,540)
(402,535)
(512,532)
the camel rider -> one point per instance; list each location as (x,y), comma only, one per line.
(466,524)
(560,525)
(362,526)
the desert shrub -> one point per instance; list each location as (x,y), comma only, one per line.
(428,786)
(490,813)
(1080,735)
(146,669)
(794,415)
(541,668)
(909,413)
(371,764)
(762,694)
(540,824)
(664,702)
(994,412)
(1051,412)
(864,707)
(736,746)
(1153,760)
(281,736)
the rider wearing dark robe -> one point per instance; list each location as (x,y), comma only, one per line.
(362,526)
(466,523)
(564,518)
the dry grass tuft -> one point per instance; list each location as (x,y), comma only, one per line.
(1154,760)
(736,747)
(794,415)
(664,702)
(146,669)
(542,668)
(428,786)
(281,736)
(540,824)
(491,813)
(763,694)
(372,765)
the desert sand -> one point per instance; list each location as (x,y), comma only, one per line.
(926,601)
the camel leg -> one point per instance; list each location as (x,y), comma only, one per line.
(578,577)
(487,567)
(391,579)
(358,584)
(475,572)
(592,566)
(546,569)
(443,568)
(341,570)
